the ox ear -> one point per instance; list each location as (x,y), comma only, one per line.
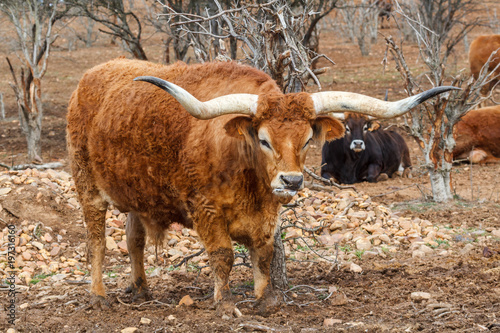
(239,127)
(328,129)
(374,125)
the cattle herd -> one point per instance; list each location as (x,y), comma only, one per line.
(219,148)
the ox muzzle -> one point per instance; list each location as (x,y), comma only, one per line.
(358,146)
(286,184)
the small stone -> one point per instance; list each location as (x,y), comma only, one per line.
(363,244)
(38,245)
(110,243)
(329,322)
(11,330)
(23,306)
(145,321)
(419,296)
(496,233)
(5,190)
(55,251)
(74,202)
(369,254)
(129,330)
(58,277)
(418,254)
(26,255)
(122,246)
(467,248)
(355,268)
(171,318)
(48,237)
(186,300)
(338,224)
(426,249)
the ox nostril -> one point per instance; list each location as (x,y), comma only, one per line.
(292,182)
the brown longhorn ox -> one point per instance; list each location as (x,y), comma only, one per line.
(218,149)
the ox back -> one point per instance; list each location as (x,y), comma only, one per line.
(380,152)
(477,136)
(480,50)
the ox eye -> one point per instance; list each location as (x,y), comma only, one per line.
(365,128)
(307,143)
(347,129)
(265,144)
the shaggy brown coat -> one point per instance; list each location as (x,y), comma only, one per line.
(133,145)
(479,52)
(477,136)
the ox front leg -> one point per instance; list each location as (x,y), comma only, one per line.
(221,262)
(374,174)
(136,241)
(220,255)
(261,257)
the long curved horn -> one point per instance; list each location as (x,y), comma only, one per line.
(340,101)
(229,104)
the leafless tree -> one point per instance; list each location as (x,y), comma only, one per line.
(359,21)
(175,39)
(33,23)
(432,125)
(121,21)
(270,36)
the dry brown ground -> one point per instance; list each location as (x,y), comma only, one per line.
(377,300)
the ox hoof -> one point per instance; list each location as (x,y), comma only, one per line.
(227,309)
(139,294)
(407,173)
(382,177)
(266,306)
(98,302)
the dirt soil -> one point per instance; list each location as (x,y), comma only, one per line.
(464,288)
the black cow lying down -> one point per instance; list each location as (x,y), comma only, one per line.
(366,152)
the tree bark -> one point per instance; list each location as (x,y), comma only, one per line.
(440,183)
(279,278)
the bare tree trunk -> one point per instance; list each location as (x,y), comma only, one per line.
(90,28)
(2,106)
(279,278)
(33,137)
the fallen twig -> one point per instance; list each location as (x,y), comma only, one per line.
(186,259)
(327,181)
(51,165)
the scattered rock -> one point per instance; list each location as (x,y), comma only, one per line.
(5,190)
(145,321)
(38,245)
(355,268)
(363,244)
(419,296)
(496,233)
(186,300)
(111,244)
(467,248)
(328,322)
(129,330)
